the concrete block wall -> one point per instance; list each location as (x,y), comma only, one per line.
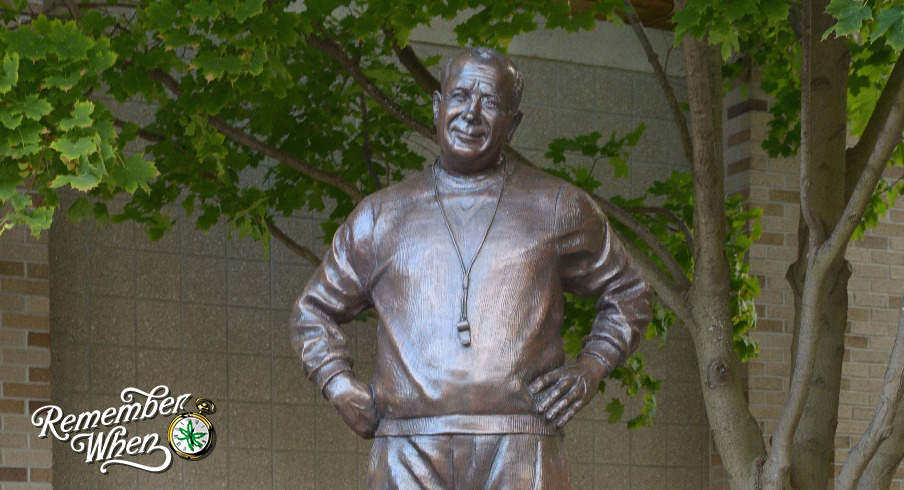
(875,289)
(25,460)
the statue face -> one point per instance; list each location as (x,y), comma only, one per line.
(474,115)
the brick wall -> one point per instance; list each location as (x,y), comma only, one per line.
(24,359)
(875,288)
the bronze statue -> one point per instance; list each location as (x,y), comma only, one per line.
(465,264)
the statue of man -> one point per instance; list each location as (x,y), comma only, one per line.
(465,264)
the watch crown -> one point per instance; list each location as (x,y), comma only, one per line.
(205,405)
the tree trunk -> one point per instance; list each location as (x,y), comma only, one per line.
(736,433)
(823,144)
(881,469)
(814,442)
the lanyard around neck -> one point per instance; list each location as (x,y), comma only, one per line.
(463,326)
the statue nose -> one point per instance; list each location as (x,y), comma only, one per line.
(472,111)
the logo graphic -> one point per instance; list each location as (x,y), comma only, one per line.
(191,435)
(103,438)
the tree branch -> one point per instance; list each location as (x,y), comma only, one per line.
(886,139)
(880,428)
(333,49)
(73,9)
(681,281)
(413,65)
(664,84)
(673,296)
(143,133)
(671,216)
(258,145)
(304,252)
(365,147)
(858,154)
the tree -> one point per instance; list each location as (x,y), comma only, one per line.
(240,86)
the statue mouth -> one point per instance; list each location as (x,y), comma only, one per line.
(469,137)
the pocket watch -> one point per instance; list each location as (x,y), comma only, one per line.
(190,434)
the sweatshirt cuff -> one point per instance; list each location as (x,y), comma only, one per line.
(325,373)
(603,351)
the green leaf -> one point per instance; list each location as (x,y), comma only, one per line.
(83,182)
(63,82)
(80,116)
(890,22)
(134,173)
(68,42)
(72,150)
(634,136)
(101,214)
(8,183)
(850,15)
(203,10)
(20,201)
(10,75)
(10,121)
(80,209)
(615,409)
(248,9)
(34,108)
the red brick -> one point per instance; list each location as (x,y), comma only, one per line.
(763,325)
(12,302)
(771,239)
(8,268)
(739,137)
(10,337)
(25,286)
(784,196)
(13,474)
(27,356)
(772,209)
(41,475)
(871,241)
(26,390)
(39,339)
(739,166)
(749,105)
(859,314)
(32,253)
(36,404)
(858,341)
(30,322)
(38,271)
(12,406)
(39,374)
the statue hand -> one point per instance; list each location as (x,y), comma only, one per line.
(354,401)
(567,389)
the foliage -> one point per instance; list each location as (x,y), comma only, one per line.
(875,33)
(259,69)
(675,195)
(53,134)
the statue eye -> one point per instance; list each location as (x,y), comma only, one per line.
(459,96)
(491,104)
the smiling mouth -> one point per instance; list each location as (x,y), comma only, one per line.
(469,137)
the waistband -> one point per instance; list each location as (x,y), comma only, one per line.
(467,424)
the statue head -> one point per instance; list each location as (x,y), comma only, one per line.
(476,109)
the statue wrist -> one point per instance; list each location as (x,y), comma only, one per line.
(337,384)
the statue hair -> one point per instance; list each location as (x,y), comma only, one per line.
(491,56)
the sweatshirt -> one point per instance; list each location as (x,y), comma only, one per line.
(394,254)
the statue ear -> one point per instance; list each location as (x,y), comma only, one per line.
(437,98)
(516,120)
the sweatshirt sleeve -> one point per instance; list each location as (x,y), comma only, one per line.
(335,294)
(593,262)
